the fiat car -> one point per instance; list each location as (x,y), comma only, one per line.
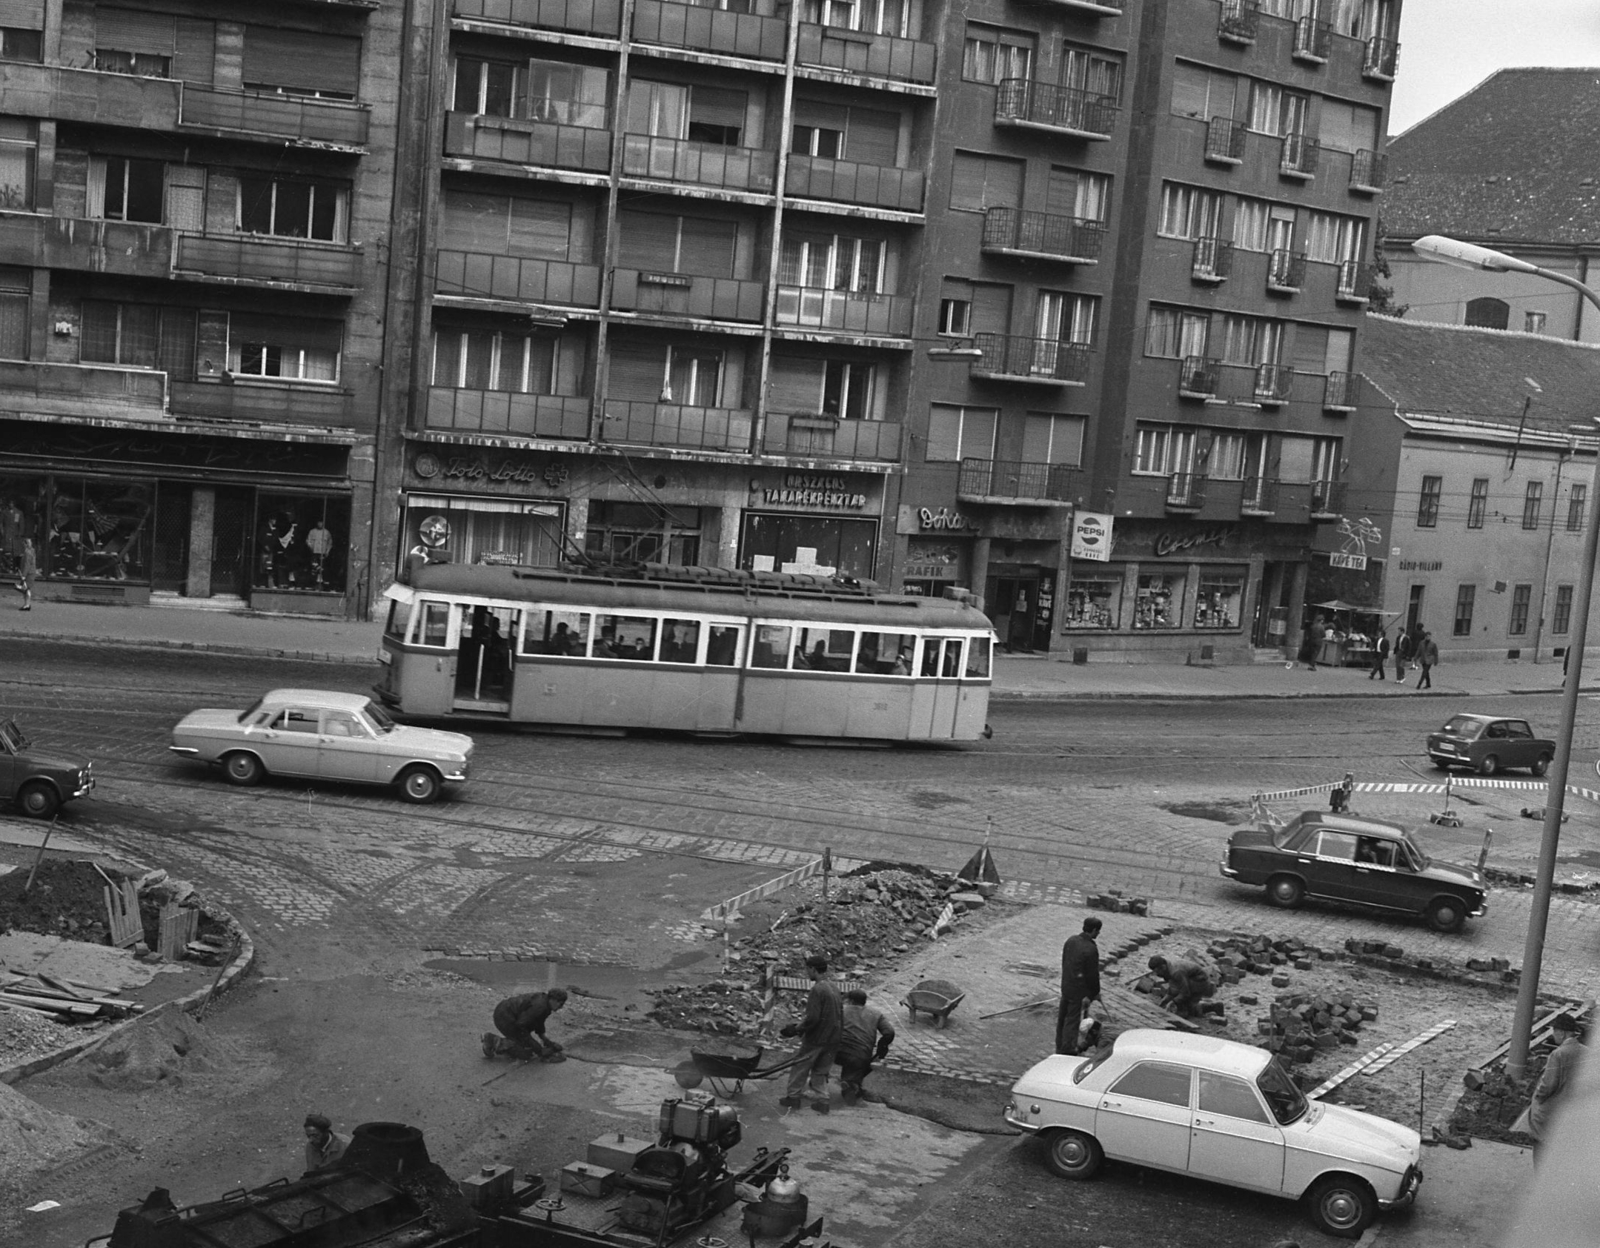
(1487,744)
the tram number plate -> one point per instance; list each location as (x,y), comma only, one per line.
(549,691)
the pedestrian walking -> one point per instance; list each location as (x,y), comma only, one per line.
(27,573)
(520,1021)
(1080,984)
(866,1037)
(820,1032)
(1427,659)
(324,1146)
(1560,1068)
(1380,656)
(1310,642)
(1187,984)
(1404,646)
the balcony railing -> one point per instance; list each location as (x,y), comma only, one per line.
(816,434)
(277,402)
(845,311)
(878,186)
(580,17)
(1355,282)
(1093,8)
(1259,497)
(1286,271)
(1047,361)
(1042,235)
(1186,491)
(1311,40)
(329,266)
(671,424)
(1339,393)
(1213,260)
(1238,21)
(1198,377)
(292,117)
(1327,499)
(686,295)
(518,415)
(1301,154)
(1369,170)
(703,164)
(1015,481)
(124,248)
(1023,102)
(1380,59)
(1225,140)
(1273,383)
(93,385)
(517,279)
(872,56)
(542,143)
(707,29)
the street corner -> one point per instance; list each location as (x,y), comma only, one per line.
(1467,1197)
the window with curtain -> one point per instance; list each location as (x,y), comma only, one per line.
(19,149)
(694,377)
(489,359)
(292,348)
(1161,450)
(1229,457)
(662,243)
(286,208)
(139,335)
(1176,333)
(1250,224)
(992,54)
(832,262)
(956,433)
(1083,69)
(1062,317)
(1334,239)
(1251,340)
(1078,193)
(1189,211)
(15,288)
(571,95)
(123,188)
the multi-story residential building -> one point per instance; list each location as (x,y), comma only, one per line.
(196,205)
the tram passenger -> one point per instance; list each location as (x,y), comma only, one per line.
(563,642)
(819,660)
(605,645)
(902,663)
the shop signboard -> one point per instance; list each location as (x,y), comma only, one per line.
(1339,559)
(1091,536)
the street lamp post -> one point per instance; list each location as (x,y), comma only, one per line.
(1470,256)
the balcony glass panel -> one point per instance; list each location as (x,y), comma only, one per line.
(682,294)
(849,312)
(669,424)
(704,164)
(583,17)
(858,52)
(789,433)
(289,116)
(540,143)
(518,279)
(815,177)
(270,260)
(520,415)
(708,29)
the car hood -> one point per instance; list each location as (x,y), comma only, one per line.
(213,717)
(429,741)
(1250,838)
(1356,1136)
(1450,873)
(52,760)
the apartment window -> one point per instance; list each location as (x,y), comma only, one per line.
(1488,313)
(17,44)
(1276,111)
(956,433)
(1319,350)
(294,209)
(138,335)
(1251,218)
(19,148)
(1083,69)
(1161,450)
(1176,333)
(295,349)
(867,136)
(823,142)
(1206,93)
(1465,596)
(1534,322)
(1532,503)
(693,377)
(121,188)
(832,262)
(1428,502)
(500,225)
(843,389)
(490,88)
(699,114)
(301,62)
(1251,340)
(1189,211)
(15,288)
(878,17)
(1229,456)
(1345,127)
(992,55)
(569,95)
(1563,613)
(484,359)
(1521,596)
(978,183)
(1325,461)
(657,242)
(847,390)
(1478,503)
(1334,239)
(1078,193)
(1577,500)
(1052,439)
(955,310)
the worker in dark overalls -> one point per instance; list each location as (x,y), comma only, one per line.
(521,1021)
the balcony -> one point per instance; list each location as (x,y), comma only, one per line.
(1060,110)
(1199,377)
(273,402)
(1311,40)
(1042,236)
(1286,272)
(702,164)
(84,388)
(1379,60)
(669,424)
(1355,282)
(877,186)
(515,415)
(1092,8)
(706,29)
(1225,141)
(296,118)
(1301,154)
(1238,22)
(1327,499)
(870,56)
(1213,261)
(1368,171)
(1259,497)
(1038,361)
(1339,393)
(130,250)
(1015,481)
(1273,384)
(270,261)
(680,295)
(815,434)
(1186,492)
(517,279)
(845,311)
(578,17)
(546,144)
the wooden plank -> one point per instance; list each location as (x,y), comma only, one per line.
(122,911)
(178,927)
(1350,1071)
(1417,1041)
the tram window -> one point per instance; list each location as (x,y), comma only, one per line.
(978,657)
(433,624)
(561,633)
(399,614)
(952,657)
(772,646)
(625,637)
(722,645)
(824,649)
(930,656)
(680,641)
(886,654)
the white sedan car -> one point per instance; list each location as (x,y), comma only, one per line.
(325,736)
(1216,1110)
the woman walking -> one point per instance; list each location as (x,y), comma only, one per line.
(27,572)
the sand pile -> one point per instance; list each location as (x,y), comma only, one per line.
(165,1048)
(34,1140)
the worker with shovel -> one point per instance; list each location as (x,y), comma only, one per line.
(521,1021)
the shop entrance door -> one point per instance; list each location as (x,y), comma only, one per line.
(169,547)
(1271,625)
(230,543)
(1013,605)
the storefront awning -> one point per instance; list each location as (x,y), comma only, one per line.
(468,502)
(1338,605)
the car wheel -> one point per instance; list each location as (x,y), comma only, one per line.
(1342,1206)
(1540,765)
(38,800)
(1441,764)
(420,785)
(243,769)
(1488,765)
(1285,891)
(1446,914)
(1072,1154)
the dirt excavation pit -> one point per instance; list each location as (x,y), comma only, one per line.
(67,899)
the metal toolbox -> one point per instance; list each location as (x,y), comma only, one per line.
(615,1151)
(582,1179)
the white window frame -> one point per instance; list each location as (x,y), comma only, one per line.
(1162,450)
(1189,212)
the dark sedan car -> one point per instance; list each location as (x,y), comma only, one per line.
(1487,744)
(1367,861)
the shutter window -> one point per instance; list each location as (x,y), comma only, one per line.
(541,227)
(647,240)
(966,182)
(706,247)
(991,308)
(1190,87)
(1310,348)
(820,116)
(195,52)
(22,14)
(1061,195)
(302,333)
(944,433)
(301,61)
(873,137)
(474,222)
(796,384)
(186,197)
(124,30)
(637,371)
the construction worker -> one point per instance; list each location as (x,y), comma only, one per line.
(1187,984)
(1080,984)
(521,1022)
(867,1037)
(324,1146)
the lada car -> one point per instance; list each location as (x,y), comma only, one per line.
(1486,744)
(1218,1110)
(319,735)
(1370,862)
(39,781)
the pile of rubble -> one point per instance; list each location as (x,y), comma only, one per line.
(1238,956)
(1300,1027)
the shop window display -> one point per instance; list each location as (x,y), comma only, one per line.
(637,533)
(1160,601)
(100,530)
(22,506)
(1094,604)
(302,542)
(1219,601)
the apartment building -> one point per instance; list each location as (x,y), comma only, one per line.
(195,207)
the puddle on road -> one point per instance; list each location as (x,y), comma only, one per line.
(622,985)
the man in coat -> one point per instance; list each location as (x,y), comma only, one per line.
(521,1021)
(820,1032)
(1404,645)
(866,1039)
(1560,1068)
(1427,659)
(324,1146)
(1380,656)
(1080,983)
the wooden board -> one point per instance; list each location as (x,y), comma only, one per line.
(122,913)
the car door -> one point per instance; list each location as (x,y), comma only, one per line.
(1332,872)
(1384,876)
(345,749)
(289,744)
(1495,739)
(1521,748)
(1145,1115)
(1234,1139)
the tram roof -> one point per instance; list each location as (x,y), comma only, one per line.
(716,591)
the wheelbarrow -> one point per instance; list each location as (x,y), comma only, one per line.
(726,1070)
(934,997)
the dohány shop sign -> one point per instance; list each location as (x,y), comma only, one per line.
(811,489)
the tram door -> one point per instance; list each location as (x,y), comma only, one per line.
(485,636)
(937,690)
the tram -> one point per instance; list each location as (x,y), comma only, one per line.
(706,650)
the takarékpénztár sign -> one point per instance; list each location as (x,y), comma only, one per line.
(1091,536)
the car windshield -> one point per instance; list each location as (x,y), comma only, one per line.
(1288,1103)
(248,715)
(379,717)
(1462,726)
(12,736)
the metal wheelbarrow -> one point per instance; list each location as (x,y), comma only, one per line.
(934,997)
(726,1070)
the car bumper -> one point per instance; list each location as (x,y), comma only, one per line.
(1020,1121)
(183,749)
(1408,1190)
(85,787)
(1231,872)
(1483,909)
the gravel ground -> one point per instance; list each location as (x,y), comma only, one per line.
(25,1036)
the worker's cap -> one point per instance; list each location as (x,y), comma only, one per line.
(817,962)
(556,994)
(320,1121)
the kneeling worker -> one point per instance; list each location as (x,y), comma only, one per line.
(864,1027)
(1187,983)
(521,1022)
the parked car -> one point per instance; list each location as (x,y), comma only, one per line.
(1487,744)
(324,736)
(39,781)
(1216,1110)
(1367,861)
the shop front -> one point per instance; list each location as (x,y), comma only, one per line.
(824,524)
(463,505)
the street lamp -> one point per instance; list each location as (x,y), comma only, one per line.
(1471,256)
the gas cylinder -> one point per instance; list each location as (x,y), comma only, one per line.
(782,1207)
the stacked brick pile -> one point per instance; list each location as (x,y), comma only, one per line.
(1300,1027)
(1237,956)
